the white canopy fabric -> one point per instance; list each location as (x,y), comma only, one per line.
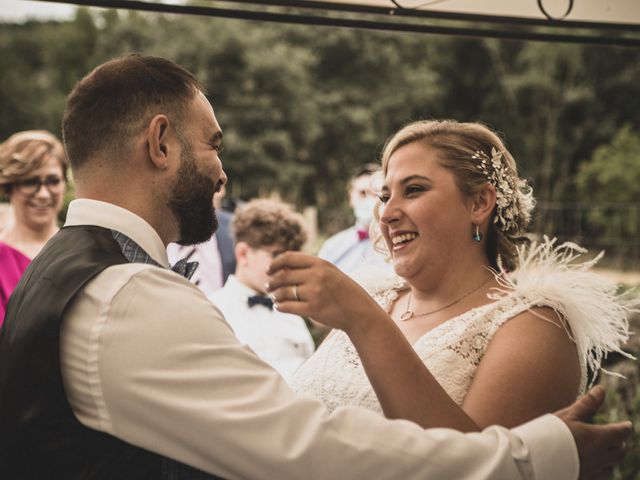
(610,11)
(605,22)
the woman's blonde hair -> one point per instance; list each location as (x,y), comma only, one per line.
(26,151)
(476,156)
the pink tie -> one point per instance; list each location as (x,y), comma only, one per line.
(363,234)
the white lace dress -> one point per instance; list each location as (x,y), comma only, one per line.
(547,276)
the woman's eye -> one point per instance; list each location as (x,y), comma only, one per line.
(383,198)
(53,181)
(31,182)
(414,189)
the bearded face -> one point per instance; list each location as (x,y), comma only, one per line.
(191,200)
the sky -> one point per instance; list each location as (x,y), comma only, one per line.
(21,10)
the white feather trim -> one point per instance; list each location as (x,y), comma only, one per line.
(551,276)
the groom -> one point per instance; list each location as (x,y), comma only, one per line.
(111,363)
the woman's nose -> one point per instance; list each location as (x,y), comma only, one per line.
(389,212)
(42,192)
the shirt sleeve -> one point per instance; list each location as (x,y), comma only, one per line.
(173,379)
(554,455)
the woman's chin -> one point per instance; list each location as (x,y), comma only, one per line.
(41,221)
(402,268)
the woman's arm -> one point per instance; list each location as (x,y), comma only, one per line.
(530,367)
(403,384)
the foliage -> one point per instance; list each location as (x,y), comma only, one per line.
(620,407)
(623,402)
(301,106)
(613,172)
(609,181)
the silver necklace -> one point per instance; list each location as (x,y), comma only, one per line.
(408,314)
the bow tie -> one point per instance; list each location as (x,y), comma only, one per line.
(363,234)
(184,268)
(260,300)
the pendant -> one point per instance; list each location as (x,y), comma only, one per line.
(406,315)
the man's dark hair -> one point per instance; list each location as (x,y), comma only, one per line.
(109,106)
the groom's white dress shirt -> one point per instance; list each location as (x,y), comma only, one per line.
(149,359)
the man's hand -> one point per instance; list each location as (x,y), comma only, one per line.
(600,447)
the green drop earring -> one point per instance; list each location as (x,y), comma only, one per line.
(477,236)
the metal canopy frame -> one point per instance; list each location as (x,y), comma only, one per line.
(393,18)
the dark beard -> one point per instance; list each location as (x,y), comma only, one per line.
(192,201)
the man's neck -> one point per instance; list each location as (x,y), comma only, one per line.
(147,209)
(245,279)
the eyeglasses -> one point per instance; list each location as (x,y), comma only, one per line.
(31,186)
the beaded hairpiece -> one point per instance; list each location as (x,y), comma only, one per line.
(507,190)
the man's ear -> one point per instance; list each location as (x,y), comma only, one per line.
(241,250)
(157,141)
(483,203)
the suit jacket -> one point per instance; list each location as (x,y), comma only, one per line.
(225,243)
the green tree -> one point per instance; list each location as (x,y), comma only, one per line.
(301,106)
(609,182)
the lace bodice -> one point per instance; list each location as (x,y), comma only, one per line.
(595,314)
(451,351)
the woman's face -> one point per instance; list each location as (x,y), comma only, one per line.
(37,197)
(425,219)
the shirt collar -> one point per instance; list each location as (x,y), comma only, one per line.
(84,211)
(239,288)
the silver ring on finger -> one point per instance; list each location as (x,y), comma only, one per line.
(295,293)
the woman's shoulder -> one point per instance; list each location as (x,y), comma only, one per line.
(535,324)
(7,252)
(552,282)
(14,263)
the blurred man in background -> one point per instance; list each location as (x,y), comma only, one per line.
(352,248)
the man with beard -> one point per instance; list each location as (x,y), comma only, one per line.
(111,363)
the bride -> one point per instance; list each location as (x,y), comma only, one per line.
(476,317)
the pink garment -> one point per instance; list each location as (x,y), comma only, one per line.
(12,265)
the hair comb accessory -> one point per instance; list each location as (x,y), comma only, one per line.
(511,193)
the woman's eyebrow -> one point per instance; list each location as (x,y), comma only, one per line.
(406,180)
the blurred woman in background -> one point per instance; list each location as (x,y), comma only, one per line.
(33,174)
